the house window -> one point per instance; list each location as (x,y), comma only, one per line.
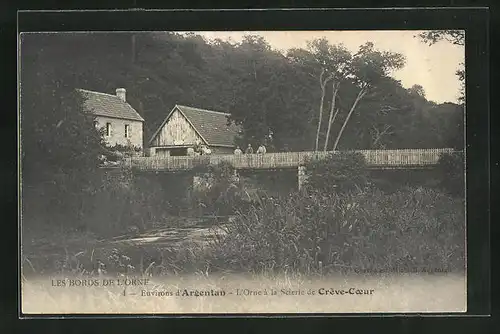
(108,129)
(127,131)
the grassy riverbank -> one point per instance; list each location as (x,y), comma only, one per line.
(364,230)
(368,231)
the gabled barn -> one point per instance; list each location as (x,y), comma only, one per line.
(185,127)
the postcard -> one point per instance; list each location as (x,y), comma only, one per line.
(242,172)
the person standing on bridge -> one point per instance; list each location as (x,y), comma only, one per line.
(206,150)
(249,149)
(238,151)
(261,149)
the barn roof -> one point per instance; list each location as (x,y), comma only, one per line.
(108,105)
(210,125)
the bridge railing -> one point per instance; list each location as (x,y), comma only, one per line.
(407,157)
(375,158)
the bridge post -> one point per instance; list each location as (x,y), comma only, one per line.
(301,175)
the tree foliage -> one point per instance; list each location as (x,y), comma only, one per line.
(417,91)
(273,95)
(57,135)
(431,37)
(451,168)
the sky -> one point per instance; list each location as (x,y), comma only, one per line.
(432,67)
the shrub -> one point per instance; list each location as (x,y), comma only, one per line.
(412,228)
(217,192)
(451,171)
(109,203)
(118,152)
(339,172)
(123,201)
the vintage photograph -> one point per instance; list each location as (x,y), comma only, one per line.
(237,172)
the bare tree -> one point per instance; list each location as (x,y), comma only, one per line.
(367,67)
(333,59)
(362,92)
(331,120)
(378,134)
(322,81)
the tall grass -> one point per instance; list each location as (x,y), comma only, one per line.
(371,231)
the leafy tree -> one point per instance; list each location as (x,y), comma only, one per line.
(57,134)
(447,123)
(269,99)
(59,143)
(417,90)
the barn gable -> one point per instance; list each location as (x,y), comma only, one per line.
(176,130)
(186,125)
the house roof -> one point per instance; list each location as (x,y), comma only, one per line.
(108,105)
(210,125)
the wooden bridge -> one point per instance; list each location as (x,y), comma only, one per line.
(377,159)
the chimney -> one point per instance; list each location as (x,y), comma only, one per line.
(121,93)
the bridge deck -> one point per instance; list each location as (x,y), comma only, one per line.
(412,158)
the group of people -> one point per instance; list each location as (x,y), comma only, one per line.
(199,149)
(249,150)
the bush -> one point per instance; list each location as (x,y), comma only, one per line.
(339,172)
(118,152)
(217,191)
(124,201)
(412,228)
(111,202)
(451,170)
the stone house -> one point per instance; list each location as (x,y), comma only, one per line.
(186,127)
(122,124)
